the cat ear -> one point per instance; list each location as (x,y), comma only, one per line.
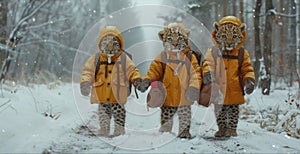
(216,26)
(161,35)
(188,32)
(243,27)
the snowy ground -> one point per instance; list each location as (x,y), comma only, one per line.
(47,118)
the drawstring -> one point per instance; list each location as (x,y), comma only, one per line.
(136,94)
(177,68)
(179,65)
(109,59)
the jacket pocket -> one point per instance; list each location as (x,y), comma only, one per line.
(97,90)
(120,90)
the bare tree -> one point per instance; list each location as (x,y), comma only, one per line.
(14,37)
(281,41)
(292,42)
(257,45)
(298,37)
(241,12)
(3,20)
(224,8)
(234,7)
(267,48)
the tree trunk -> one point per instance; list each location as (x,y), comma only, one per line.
(241,10)
(3,31)
(216,11)
(268,47)
(234,7)
(292,42)
(280,73)
(224,12)
(257,45)
(298,35)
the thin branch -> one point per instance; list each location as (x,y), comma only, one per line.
(9,105)
(45,24)
(5,103)
(57,44)
(12,33)
(4,47)
(280,14)
(34,99)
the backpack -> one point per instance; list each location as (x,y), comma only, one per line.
(122,63)
(205,91)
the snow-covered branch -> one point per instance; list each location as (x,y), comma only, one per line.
(50,42)
(12,33)
(288,123)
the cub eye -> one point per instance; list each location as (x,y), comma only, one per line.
(116,43)
(223,36)
(169,39)
(180,38)
(234,36)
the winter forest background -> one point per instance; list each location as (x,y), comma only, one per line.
(39,40)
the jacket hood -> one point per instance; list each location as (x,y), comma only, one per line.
(110,30)
(232,20)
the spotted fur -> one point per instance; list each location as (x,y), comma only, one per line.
(106,112)
(184,116)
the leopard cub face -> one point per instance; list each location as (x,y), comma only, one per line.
(229,36)
(110,45)
(174,37)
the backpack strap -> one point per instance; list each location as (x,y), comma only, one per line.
(240,61)
(188,62)
(163,65)
(123,62)
(215,54)
(118,79)
(97,64)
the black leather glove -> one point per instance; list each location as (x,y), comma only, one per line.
(85,88)
(249,85)
(207,78)
(137,83)
(192,94)
(145,85)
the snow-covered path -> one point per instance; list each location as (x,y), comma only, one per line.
(26,128)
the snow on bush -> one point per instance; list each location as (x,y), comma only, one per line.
(279,117)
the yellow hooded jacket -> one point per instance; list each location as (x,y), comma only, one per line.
(176,85)
(227,74)
(104,86)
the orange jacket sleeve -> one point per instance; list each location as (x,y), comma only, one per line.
(195,74)
(131,70)
(247,69)
(88,70)
(155,70)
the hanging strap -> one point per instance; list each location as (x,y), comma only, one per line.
(163,65)
(123,61)
(241,60)
(118,80)
(216,54)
